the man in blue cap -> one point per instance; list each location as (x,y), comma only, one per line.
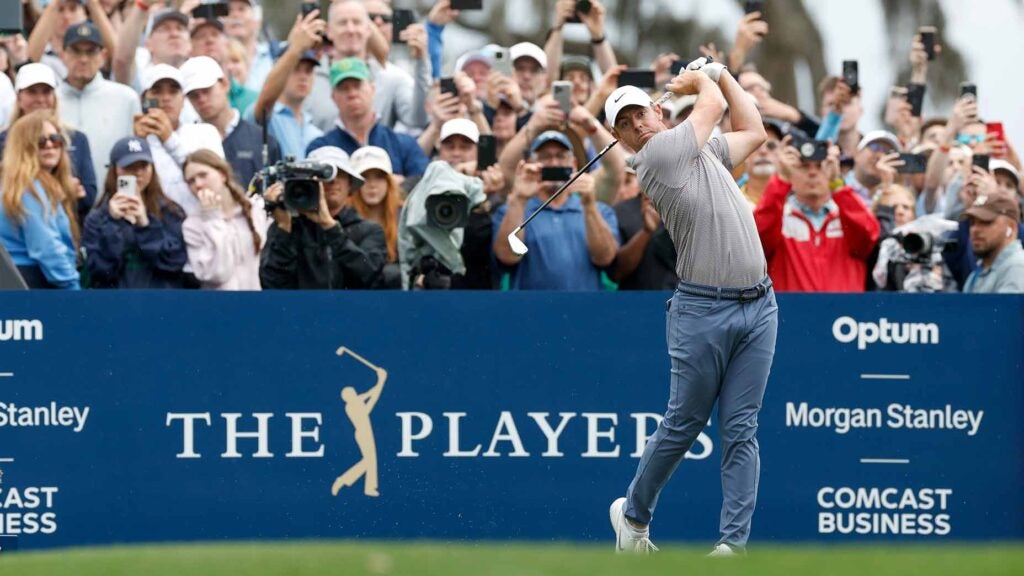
(571,241)
(282,101)
(104,110)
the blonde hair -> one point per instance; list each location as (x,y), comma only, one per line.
(21,169)
(886,197)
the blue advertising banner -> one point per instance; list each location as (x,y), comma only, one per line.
(131,417)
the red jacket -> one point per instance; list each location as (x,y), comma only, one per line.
(801,259)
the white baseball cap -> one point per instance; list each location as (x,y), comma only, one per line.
(338,158)
(528,50)
(623,97)
(461,127)
(159,72)
(371,158)
(879,135)
(200,72)
(1005,167)
(31,74)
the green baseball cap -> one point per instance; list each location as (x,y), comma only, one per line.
(349,68)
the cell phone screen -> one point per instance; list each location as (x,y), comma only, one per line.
(467,4)
(981,161)
(968,88)
(448,86)
(913,164)
(928,39)
(915,96)
(10,17)
(487,152)
(555,173)
(851,75)
(638,77)
(400,21)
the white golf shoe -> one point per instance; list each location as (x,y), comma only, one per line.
(628,540)
(723,551)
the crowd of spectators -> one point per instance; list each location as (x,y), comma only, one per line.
(155,144)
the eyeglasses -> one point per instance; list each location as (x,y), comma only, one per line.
(879,147)
(385,18)
(54,140)
(967,139)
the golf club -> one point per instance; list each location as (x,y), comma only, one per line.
(518,246)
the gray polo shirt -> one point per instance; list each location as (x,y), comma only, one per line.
(1006,276)
(704,211)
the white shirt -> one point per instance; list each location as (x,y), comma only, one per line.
(7,99)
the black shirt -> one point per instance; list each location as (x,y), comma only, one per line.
(657,267)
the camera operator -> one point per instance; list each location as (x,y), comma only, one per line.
(330,248)
(818,238)
(458,147)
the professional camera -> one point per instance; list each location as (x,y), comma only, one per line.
(925,240)
(301,182)
(432,226)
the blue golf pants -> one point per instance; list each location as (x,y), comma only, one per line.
(721,350)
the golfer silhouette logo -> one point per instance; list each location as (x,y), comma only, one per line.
(358,408)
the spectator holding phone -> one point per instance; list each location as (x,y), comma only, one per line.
(224,240)
(865,178)
(817,234)
(283,100)
(36,90)
(37,223)
(133,238)
(572,241)
(592,16)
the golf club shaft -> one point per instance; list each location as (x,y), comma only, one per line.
(581,171)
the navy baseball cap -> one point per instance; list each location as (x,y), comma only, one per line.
(170,16)
(551,136)
(128,151)
(84,32)
(309,56)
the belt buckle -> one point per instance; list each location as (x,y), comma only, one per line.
(750,294)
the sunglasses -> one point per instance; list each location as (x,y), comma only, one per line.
(879,147)
(54,140)
(385,18)
(967,139)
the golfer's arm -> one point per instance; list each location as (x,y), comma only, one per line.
(513,216)
(600,242)
(707,113)
(748,129)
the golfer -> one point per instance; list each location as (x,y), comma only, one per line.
(722,318)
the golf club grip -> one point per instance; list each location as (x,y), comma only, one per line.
(567,184)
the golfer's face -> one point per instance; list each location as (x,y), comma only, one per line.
(635,125)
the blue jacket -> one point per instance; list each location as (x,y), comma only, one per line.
(243,149)
(120,255)
(81,168)
(407,158)
(43,239)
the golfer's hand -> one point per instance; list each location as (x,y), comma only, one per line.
(687,82)
(527,181)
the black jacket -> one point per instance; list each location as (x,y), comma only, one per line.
(348,256)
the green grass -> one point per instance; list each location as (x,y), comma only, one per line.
(350,558)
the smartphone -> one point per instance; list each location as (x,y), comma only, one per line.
(307,8)
(915,96)
(913,164)
(582,7)
(150,104)
(981,161)
(10,17)
(851,75)
(639,77)
(555,173)
(997,129)
(127,185)
(968,88)
(503,62)
(562,91)
(677,67)
(928,39)
(211,10)
(813,150)
(448,86)
(754,6)
(401,20)
(486,152)
(467,4)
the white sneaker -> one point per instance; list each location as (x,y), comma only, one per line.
(627,539)
(723,551)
